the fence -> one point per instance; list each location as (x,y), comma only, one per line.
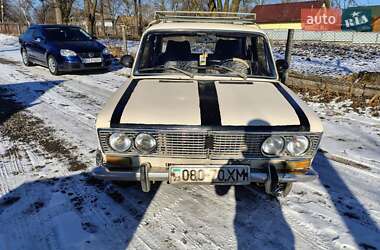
(274,35)
(109,32)
(327,36)
(12,28)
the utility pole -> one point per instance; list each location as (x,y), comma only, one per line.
(288,51)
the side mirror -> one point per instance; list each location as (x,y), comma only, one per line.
(282,66)
(38,39)
(127,61)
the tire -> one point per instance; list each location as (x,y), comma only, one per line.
(52,65)
(25,57)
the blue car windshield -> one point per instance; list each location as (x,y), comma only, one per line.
(66,34)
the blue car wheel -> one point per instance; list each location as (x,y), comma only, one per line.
(52,65)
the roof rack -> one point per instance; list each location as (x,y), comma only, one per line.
(204,16)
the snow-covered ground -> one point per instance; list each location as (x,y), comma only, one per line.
(318,58)
(46,204)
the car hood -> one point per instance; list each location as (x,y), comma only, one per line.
(162,102)
(80,46)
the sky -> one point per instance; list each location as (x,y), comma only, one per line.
(369,2)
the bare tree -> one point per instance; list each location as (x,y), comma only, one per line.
(103,30)
(226,5)
(43,11)
(90,11)
(63,10)
(116,8)
(25,7)
(160,4)
(235,5)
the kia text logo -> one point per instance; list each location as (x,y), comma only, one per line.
(321,19)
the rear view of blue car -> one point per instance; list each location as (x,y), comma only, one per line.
(62,48)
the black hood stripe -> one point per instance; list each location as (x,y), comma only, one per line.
(304,122)
(209,104)
(210,112)
(118,112)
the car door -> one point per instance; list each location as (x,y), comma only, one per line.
(26,41)
(39,47)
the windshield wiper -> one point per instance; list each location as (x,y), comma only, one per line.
(169,67)
(242,75)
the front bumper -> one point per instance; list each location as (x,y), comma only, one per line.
(76,64)
(102,172)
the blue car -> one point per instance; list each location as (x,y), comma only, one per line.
(62,48)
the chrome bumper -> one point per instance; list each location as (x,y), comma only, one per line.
(257,177)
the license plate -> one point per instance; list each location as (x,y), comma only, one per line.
(229,175)
(92,60)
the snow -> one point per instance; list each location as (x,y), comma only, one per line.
(43,205)
(331,59)
(70,232)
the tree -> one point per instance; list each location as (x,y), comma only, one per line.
(43,12)
(225,5)
(90,11)
(235,5)
(116,8)
(102,17)
(63,10)
(25,7)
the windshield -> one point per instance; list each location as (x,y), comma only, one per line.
(67,34)
(207,53)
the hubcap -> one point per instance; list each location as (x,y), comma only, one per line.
(52,64)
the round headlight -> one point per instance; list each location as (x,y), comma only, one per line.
(273,145)
(106,51)
(145,143)
(297,145)
(120,142)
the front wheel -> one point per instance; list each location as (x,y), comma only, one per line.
(25,58)
(52,65)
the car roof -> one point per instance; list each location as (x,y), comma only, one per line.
(46,26)
(203,26)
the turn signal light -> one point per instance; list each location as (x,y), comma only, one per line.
(121,161)
(298,166)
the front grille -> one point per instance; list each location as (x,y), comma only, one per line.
(224,145)
(169,144)
(89,54)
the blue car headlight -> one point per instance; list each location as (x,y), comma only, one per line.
(67,52)
(106,51)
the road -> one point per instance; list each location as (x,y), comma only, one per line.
(49,201)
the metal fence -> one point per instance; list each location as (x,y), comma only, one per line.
(327,36)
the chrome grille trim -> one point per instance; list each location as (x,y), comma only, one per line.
(87,54)
(191,144)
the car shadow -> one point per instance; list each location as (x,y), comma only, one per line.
(77,212)
(357,219)
(16,97)
(259,222)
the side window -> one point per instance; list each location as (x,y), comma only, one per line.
(261,57)
(37,34)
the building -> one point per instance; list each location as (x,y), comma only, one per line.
(284,15)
